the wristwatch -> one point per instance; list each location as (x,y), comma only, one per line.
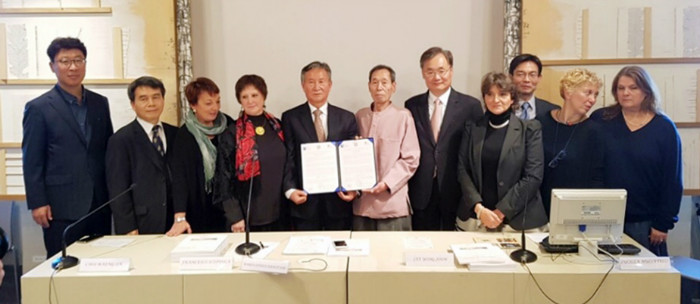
(180,219)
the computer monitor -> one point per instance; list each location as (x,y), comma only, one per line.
(595,214)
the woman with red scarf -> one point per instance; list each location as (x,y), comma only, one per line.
(251,159)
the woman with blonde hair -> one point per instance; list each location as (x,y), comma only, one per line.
(572,148)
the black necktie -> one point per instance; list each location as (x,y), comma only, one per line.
(157,142)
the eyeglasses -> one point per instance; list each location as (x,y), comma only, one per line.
(66,63)
(431,73)
(555,161)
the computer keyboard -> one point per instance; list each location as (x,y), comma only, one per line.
(550,248)
(627,249)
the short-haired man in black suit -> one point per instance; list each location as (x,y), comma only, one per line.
(315,121)
(63,150)
(440,115)
(139,153)
(526,72)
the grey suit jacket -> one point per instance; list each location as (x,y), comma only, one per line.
(520,169)
(62,168)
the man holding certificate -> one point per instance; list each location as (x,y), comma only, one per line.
(386,205)
(311,122)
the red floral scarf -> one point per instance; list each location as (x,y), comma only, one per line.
(247,162)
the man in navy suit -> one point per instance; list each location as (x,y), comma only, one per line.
(526,72)
(316,121)
(63,150)
(440,115)
(138,154)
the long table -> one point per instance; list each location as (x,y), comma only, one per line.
(381,277)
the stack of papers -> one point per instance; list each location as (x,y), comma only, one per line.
(307,245)
(200,246)
(482,256)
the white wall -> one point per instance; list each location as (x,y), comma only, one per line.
(275,39)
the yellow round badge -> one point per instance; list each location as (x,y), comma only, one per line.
(260,131)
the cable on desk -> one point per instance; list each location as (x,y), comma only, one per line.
(325,265)
(613,260)
(52,284)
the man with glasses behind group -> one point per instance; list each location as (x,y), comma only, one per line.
(63,150)
(439,115)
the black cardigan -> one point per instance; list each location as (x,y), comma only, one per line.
(188,184)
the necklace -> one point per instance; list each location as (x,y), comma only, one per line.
(646,118)
(505,123)
(558,117)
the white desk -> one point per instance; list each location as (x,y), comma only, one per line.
(382,277)
(155,279)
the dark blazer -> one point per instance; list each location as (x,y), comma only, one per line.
(298,128)
(460,109)
(520,169)
(189,194)
(61,167)
(131,158)
(543,107)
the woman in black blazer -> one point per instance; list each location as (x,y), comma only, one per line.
(251,163)
(194,161)
(500,165)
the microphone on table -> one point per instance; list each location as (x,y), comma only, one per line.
(67,261)
(248,248)
(523,255)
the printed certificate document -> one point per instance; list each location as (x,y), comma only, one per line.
(338,166)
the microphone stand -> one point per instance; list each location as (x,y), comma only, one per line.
(523,255)
(67,261)
(248,248)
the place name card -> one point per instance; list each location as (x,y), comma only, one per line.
(105,265)
(206,263)
(649,263)
(268,266)
(429,259)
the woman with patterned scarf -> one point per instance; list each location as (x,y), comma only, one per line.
(194,161)
(251,162)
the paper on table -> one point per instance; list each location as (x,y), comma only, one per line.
(537,237)
(357,164)
(307,245)
(319,167)
(111,242)
(482,256)
(355,247)
(413,242)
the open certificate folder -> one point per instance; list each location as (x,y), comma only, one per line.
(338,166)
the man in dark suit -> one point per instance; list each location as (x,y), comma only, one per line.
(63,150)
(440,115)
(138,154)
(526,72)
(316,121)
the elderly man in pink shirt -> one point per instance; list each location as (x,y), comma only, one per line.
(386,206)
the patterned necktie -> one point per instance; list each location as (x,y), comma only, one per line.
(524,115)
(436,119)
(318,125)
(157,142)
